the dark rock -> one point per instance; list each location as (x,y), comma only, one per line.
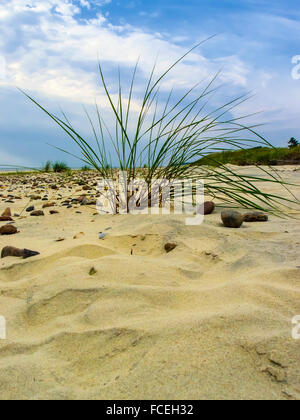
(5,219)
(28,253)
(10,251)
(29,209)
(208,207)
(255,216)
(8,230)
(37,213)
(53,212)
(92,271)
(232,219)
(170,246)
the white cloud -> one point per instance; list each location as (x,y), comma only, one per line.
(56,54)
(50,50)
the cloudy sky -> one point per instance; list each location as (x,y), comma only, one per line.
(49,48)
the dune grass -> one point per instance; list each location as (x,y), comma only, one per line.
(47,167)
(59,167)
(255,156)
(169,138)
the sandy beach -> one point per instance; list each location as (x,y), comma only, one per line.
(119,318)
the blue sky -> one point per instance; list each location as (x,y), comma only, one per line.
(49,48)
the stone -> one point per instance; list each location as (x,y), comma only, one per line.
(92,271)
(47,205)
(8,230)
(29,209)
(60,240)
(37,213)
(79,235)
(170,247)
(5,219)
(53,212)
(209,207)
(255,216)
(6,213)
(10,251)
(232,219)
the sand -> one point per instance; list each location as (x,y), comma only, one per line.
(209,320)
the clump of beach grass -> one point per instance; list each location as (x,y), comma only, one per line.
(169,138)
(59,167)
(47,167)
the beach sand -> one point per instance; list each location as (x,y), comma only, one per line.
(210,320)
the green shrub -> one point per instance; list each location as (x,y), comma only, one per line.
(255,156)
(60,167)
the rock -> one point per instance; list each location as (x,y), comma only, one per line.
(8,230)
(232,219)
(255,216)
(53,212)
(37,213)
(79,235)
(6,213)
(102,235)
(60,240)
(5,219)
(209,207)
(170,246)
(47,205)
(92,271)
(29,209)
(10,251)
(84,201)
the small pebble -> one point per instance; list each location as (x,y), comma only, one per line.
(232,219)
(170,246)
(255,216)
(10,251)
(8,230)
(37,213)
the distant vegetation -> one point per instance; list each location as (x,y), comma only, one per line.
(86,168)
(60,167)
(255,156)
(47,166)
(293,143)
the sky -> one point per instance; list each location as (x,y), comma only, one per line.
(50,49)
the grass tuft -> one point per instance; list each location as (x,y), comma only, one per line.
(169,137)
(59,167)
